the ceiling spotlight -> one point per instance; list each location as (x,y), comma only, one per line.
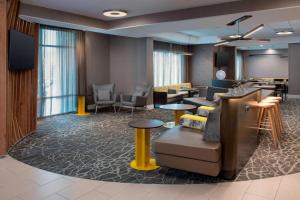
(285,32)
(261,45)
(235,36)
(115,13)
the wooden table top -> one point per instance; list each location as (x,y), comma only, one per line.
(178,107)
(146,123)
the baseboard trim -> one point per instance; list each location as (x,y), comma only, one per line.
(293,96)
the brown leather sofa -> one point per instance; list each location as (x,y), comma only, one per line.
(184,148)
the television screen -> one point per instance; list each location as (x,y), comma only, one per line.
(21,51)
(222,59)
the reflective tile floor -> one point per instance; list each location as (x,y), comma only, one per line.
(19,181)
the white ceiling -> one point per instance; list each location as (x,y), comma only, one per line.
(212,30)
(207,30)
(94,8)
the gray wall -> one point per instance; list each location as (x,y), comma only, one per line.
(294,69)
(130,63)
(97,60)
(202,64)
(264,64)
(120,60)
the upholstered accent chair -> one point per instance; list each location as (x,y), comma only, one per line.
(138,99)
(104,96)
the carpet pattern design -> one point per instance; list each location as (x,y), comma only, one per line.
(101,146)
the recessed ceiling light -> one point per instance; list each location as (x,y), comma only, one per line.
(235,36)
(286,32)
(261,45)
(115,13)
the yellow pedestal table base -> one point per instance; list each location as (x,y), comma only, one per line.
(142,151)
(81,107)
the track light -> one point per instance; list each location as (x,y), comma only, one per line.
(260,27)
(221,43)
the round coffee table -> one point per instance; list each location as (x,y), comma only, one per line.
(143,161)
(179,111)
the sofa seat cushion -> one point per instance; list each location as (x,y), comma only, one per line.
(200,101)
(193,121)
(186,142)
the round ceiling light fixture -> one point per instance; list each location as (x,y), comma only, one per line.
(285,32)
(235,36)
(115,13)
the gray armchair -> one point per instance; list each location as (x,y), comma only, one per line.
(138,99)
(104,96)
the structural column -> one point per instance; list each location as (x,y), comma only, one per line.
(3,82)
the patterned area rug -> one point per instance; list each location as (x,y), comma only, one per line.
(101,146)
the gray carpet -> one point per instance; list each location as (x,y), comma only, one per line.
(101,146)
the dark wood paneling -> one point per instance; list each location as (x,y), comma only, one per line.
(3,64)
(21,86)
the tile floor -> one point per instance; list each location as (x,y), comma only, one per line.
(19,181)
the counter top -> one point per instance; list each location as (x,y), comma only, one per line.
(240,93)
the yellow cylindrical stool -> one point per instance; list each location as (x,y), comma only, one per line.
(143,160)
(81,106)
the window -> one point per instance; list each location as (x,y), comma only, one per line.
(57,79)
(169,68)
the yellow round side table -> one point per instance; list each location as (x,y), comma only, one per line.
(143,160)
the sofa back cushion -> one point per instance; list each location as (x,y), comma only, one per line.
(193,121)
(212,90)
(212,127)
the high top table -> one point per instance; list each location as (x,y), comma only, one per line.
(179,111)
(143,161)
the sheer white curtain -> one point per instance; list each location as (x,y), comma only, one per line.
(57,80)
(169,68)
(239,66)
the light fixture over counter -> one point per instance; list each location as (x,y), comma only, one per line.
(285,32)
(115,13)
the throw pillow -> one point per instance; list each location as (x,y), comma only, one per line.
(212,128)
(103,95)
(204,110)
(193,121)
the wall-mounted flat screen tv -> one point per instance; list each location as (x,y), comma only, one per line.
(221,59)
(21,51)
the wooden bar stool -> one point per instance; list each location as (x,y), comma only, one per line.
(278,112)
(267,119)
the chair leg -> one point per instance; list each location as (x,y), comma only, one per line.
(132,110)
(96,109)
(119,108)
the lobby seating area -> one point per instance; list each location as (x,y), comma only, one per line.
(163,100)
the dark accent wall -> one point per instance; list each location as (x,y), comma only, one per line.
(203,70)
(124,61)
(202,64)
(97,61)
(294,69)
(131,63)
